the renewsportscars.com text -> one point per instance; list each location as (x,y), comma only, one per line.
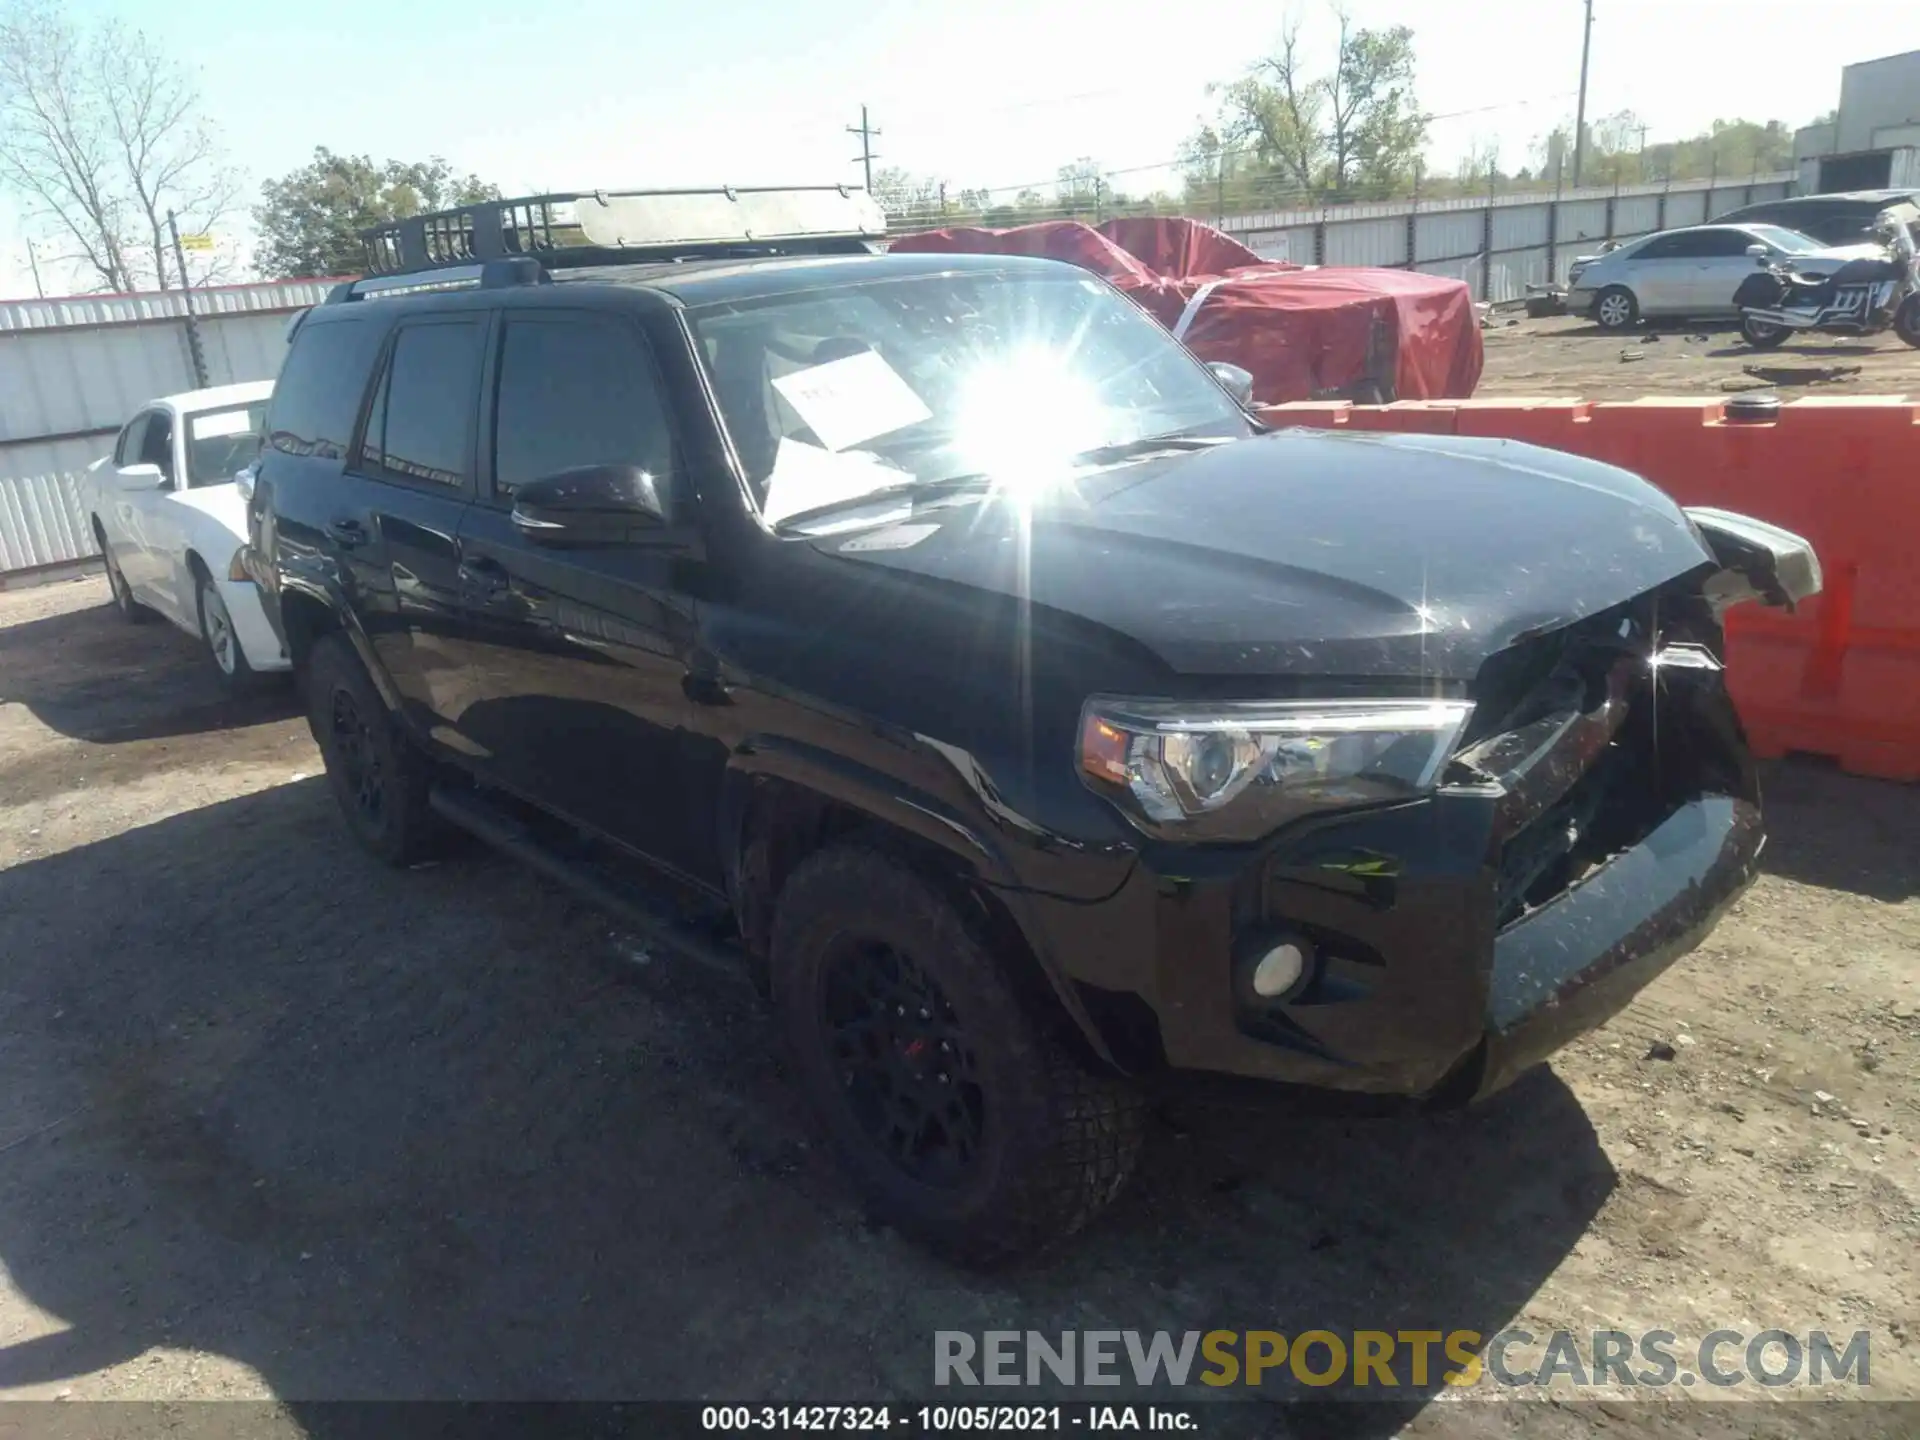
(1393,1359)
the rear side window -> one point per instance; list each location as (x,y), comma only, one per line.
(577,390)
(317,397)
(421,427)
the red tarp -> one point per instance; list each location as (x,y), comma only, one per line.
(1302,333)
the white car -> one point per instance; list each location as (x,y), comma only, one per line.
(171,523)
(1690,273)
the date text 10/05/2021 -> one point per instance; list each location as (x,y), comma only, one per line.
(946,1419)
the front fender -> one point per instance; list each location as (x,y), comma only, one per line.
(313,586)
(967,840)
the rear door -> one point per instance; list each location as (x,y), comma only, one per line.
(405,487)
(570,683)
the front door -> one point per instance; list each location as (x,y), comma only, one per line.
(144,560)
(1661,272)
(569,682)
(403,493)
(1719,267)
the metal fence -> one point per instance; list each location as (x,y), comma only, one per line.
(73,370)
(1498,244)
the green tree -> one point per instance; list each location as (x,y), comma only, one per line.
(309,221)
(1350,132)
(1374,130)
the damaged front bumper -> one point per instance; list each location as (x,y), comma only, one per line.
(1573,964)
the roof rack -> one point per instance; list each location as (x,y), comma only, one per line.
(624,227)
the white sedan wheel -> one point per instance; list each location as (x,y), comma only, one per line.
(1616,310)
(216,627)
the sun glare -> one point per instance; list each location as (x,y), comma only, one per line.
(1023,419)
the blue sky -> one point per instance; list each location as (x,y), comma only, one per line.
(583,93)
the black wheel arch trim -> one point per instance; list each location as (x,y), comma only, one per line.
(311,591)
(846,783)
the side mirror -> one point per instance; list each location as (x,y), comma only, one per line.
(145,476)
(1238,382)
(590,505)
(1759,253)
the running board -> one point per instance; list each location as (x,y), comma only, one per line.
(488,822)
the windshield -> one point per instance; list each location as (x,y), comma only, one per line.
(834,393)
(220,442)
(1781,238)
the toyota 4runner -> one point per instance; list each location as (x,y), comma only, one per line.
(937,638)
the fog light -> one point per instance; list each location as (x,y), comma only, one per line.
(1280,969)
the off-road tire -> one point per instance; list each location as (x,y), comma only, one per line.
(1761,335)
(1609,313)
(1056,1140)
(351,724)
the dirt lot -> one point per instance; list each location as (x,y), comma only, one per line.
(275,1122)
(1572,356)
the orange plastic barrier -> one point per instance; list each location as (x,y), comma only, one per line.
(1842,676)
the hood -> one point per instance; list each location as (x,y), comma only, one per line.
(222,502)
(1836,255)
(1315,554)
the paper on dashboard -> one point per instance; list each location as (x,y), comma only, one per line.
(847,401)
(806,477)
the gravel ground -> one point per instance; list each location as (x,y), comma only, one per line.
(275,1122)
(1572,356)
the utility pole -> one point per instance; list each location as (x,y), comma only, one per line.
(1643,154)
(33,264)
(866,133)
(1580,118)
(195,352)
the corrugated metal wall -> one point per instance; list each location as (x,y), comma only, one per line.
(73,370)
(1535,238)
(1688,207)
(1368,242)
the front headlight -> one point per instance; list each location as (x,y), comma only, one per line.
(1238,771)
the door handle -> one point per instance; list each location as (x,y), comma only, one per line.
(347,531)
(480,573)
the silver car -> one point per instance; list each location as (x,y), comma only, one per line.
(1690,273)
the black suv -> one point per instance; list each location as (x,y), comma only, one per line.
(1842,219)
(940,640)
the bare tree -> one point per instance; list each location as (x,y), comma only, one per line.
(100,136)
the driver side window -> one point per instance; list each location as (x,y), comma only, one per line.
(126,450)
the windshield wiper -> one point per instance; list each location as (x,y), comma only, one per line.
(905,490)
(1149,445)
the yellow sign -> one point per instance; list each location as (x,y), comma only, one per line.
(196,242)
